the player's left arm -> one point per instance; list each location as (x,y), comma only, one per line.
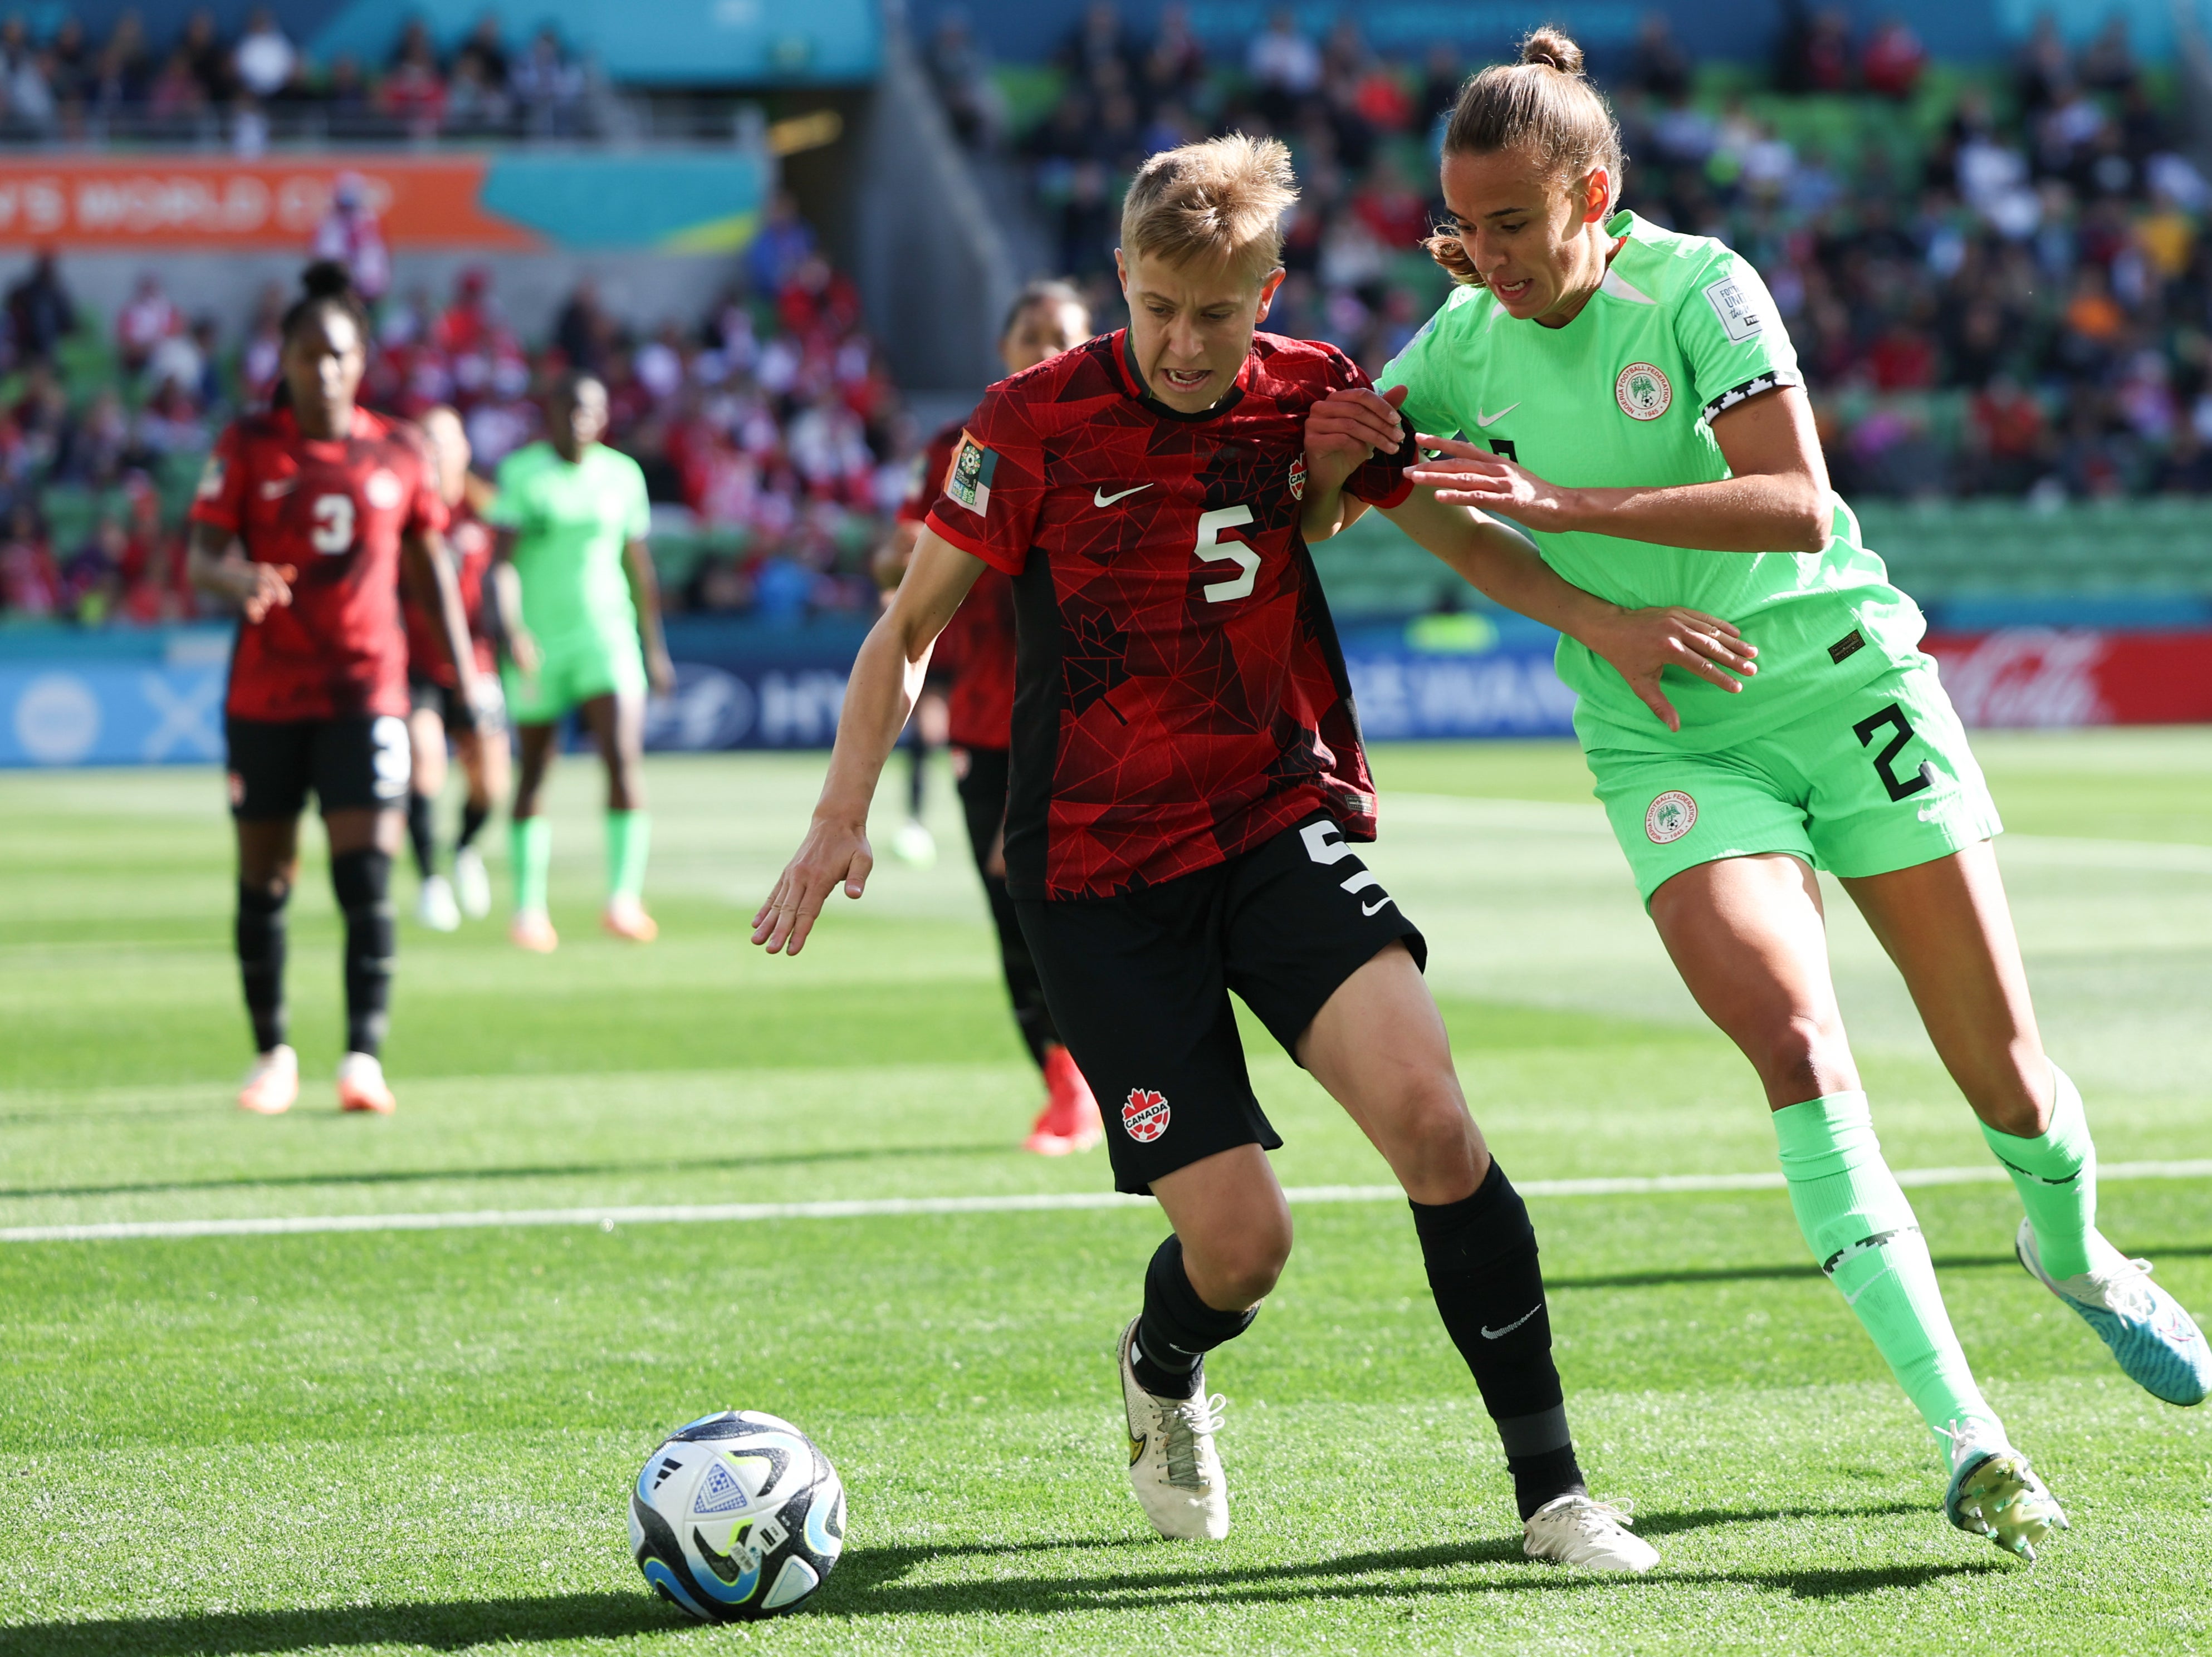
(1640,643)
(645,584)
(1775,499)
(426,565)
(645,596)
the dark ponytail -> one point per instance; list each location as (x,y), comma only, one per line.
(1543,103)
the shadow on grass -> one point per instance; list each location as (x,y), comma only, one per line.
(452,1627)
(869,1583)
(1807,1270)
(549,1171)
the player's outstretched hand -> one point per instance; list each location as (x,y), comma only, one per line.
(1642,644)
(487,705)
(522,650)
(1345,428)
(1464,475)
(263,587)
(830,853)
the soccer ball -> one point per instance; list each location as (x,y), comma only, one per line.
(738,1516)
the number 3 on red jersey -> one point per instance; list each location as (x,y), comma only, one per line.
(333,520)
(1210,550)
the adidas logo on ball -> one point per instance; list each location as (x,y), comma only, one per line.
(1145,1115)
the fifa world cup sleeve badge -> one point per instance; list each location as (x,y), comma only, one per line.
(968,481)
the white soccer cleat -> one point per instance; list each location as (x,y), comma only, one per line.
(1579,1530)
(2158,1343)
(1995,1493)
(1173,1466)
(471,885)
(361,1086)
(435,906)
(273,1083)
(913,844)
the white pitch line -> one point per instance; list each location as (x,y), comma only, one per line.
(883,1207)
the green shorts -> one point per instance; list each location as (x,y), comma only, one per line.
(571,674)
(1881,779)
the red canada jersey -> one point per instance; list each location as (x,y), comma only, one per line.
(976,648)
(1180,696)
(469,539)
(336,511)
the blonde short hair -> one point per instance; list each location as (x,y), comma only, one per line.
(1221,200)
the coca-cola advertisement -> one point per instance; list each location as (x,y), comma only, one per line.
(2044,677)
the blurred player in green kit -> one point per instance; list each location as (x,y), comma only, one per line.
(582,612)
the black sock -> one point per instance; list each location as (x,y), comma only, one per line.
(422,833)
(260,935)
(1178,1329)
(362,880)
(473,818)
(1481,1256)
(917,776)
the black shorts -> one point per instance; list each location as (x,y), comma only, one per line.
(426,694)
(1139,986)
(359,761)
(980,774)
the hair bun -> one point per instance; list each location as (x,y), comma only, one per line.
(1551,46)
(325,279)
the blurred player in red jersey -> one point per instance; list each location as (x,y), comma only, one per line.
(306,516)
(433,687)
(977,650)
(1187,783)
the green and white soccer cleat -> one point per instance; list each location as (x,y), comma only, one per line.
(1995,1493)
(2158,1343)
(1173,1465)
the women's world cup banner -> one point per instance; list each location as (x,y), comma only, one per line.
(677,201)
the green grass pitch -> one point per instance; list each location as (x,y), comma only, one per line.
(420,1441)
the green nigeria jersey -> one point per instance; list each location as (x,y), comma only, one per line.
(1624,396)
(572,524)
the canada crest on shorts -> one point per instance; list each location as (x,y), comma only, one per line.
(1145,1115)
(1298,478)
(1642,391)
(1669,817)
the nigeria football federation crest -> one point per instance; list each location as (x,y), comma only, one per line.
(1642,391)
(1669,817)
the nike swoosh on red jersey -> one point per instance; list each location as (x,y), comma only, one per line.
(277,486)
(1100,498)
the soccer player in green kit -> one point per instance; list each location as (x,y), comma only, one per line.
(582,612)
(1628,396)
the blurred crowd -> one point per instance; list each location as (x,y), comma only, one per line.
(1998,283)
(57,82)
(774,443)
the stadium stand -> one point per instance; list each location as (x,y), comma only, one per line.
(769,428)
(1997,274)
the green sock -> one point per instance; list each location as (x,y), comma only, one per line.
(1864,1235)
(2056,1175)
(629,837)
(529,848)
